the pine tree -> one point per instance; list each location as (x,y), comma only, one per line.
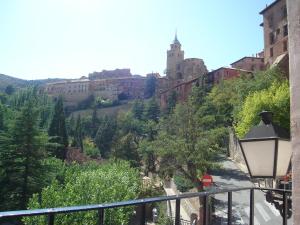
(94,122)
(152,110)
(138,109)
(1,117)
(78,134)
(58,131)
(21,150)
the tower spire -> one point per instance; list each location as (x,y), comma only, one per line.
(176,39)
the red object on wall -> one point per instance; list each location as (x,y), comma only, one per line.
(207,180)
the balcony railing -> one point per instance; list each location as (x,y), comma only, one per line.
(205,196)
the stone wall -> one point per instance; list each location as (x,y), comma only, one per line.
(235,152)
(110,74)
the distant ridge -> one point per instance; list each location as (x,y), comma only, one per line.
(6,80)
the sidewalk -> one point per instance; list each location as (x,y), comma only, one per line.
(172,206)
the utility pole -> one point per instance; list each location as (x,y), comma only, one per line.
(293,9)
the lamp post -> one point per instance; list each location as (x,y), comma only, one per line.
(267,152)
(267,149)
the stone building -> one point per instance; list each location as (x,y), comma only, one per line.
(249,63)
(110,74)
(181,74)
(224,73)
(73,91)
(179,68)
(121,85)
(275,28)
(182,91)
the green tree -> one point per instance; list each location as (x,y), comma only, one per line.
(127,138)
(152,110)
(138,109)
(58,131)
(9,90)
(171,102)
(185,144)
(150,87)
(78,138)
(22,150)
(86,185)
(1,117)
(276,99)
(105,135)
(90,149)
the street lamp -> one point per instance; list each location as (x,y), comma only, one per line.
(267,152)
(267,149)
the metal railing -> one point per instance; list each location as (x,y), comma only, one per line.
(205,196)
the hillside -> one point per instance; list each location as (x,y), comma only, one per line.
(104,111)
(6,80)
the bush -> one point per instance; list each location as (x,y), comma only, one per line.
(86,185)
(182,183)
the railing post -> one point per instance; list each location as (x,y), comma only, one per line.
(285,205)
(51,219)
(143,214)
(101,216)
(251,222)
(206,210)
(229,208)
(177,213)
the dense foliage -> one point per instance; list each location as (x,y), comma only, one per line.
(86,185)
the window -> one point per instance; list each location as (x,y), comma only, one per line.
(283,12)
(270,21)
(278,31)
(271,52)
(252,68)
(285,30)
(271,38)
(285,46)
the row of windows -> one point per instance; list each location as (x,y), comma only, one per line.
(273,36)
(284,48)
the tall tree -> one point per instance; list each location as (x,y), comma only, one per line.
(78,134)
(1,117)
(9,90)
(105,134)
(22,149)
(152,110)
(150,87)
(138,109)
(171,102)
(94,122)
(58,131)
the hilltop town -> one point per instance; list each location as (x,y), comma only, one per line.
(181,73)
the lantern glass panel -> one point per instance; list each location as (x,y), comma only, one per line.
(284,156)
(260,157)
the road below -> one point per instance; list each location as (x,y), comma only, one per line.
(230,176)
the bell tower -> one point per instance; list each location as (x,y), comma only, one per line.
(175,58)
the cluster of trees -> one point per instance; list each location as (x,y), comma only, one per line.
(183,140)
(34,140)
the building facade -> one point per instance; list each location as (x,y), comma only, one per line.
(275,28)
(249,63)
(99,85)
(181,74)
(182,69)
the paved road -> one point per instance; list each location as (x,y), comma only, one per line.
(230,176)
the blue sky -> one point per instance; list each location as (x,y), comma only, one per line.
(71,38)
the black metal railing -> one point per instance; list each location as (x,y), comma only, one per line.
(205,196)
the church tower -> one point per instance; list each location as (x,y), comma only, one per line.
(175,57)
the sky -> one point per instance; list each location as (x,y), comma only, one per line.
(72,38)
